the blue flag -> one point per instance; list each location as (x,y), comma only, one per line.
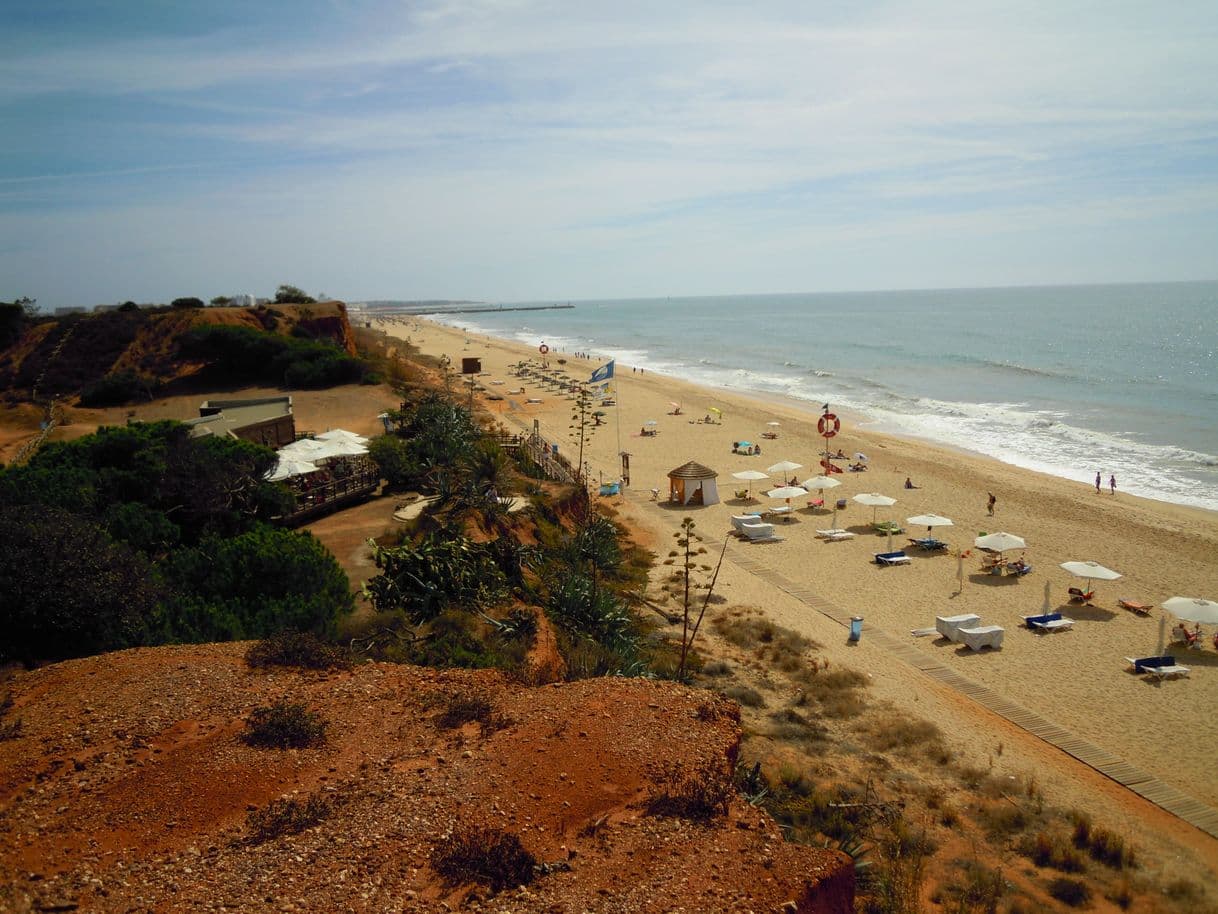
(604,373)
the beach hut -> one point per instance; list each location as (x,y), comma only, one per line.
(693,484)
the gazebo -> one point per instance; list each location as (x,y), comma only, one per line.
(693,484)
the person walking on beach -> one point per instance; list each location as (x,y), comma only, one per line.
(990,504)
(1097,482)
(1112,484)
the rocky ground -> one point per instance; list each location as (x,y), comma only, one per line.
(128,787)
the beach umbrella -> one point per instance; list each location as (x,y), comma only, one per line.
(876,500)
(1193,609)
(1091,571)
(785,466)
(650,422)
(1000,542)
(289,466)
(929,521)
(749,476)
(774,424)
(861,457)
(718,412)
(821,483)
(341,434)
(787,492)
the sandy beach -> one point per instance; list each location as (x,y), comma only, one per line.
(1077,679)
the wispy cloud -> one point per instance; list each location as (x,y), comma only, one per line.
(547,144)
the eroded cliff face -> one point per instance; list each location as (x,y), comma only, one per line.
(59,358)
(128,787)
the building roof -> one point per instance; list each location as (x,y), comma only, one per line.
(692,470)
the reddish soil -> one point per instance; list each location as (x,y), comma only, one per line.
(128,787)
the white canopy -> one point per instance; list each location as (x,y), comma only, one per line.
(290,466)
(341,434)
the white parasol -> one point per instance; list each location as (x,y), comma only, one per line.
(750,476)
(1091,571)
(785,466)
(1193,609)
(929,521)
(1000,542)
(341,434)
(288,466)
(877,501)
(787,492)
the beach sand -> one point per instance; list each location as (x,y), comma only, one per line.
(1076,679)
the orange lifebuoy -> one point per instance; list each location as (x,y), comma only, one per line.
(543,348)
(828,425)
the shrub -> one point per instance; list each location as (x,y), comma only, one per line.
(464,709)
(484,855)
(745,695)
(1071,892)
(285,817)
(297,649)
(1109,849)
(893,731)
(716,668)
(699,793)
(980,889)
(284,725)
(117,388)
(1048,851)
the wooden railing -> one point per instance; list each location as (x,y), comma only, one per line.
(323,498)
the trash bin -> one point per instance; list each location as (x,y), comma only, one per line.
(856,628)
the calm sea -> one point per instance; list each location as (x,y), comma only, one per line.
(1067,380)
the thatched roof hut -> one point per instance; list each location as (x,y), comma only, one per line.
(693,484)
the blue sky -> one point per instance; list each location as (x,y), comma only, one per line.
(511,150)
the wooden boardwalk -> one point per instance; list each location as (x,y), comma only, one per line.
(1140,782)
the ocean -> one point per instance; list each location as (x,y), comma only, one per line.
(1071,380)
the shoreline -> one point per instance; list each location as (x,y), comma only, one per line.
(1076,679)
(1031,435)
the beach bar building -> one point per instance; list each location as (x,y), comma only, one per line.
(693,484)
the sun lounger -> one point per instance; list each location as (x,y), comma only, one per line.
(1142,609)
(1048,622)
(759,532)
(739,520)
(835,535)
(1158,666)
(982,636)
(883,528)
(779,511)
(928,543)
(816,502)
(1077,596)
(891,558)
(949,626)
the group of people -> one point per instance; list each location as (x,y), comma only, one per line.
(1099,479)
(1190,637)
(749,450)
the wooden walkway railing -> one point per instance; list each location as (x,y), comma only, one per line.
(330,496)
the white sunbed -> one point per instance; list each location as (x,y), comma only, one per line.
(835,535)
(949,626)
(982,636)
(781,509)
(1145,665)
(739,520)
(759,532)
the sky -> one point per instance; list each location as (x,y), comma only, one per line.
(510,150)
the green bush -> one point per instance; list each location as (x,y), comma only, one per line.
(303,650)
(484,855)
(246,354)
(285,817)
(392,458)
(441,570)
(117,388)
(68,589)
(284,725)
(253,585)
